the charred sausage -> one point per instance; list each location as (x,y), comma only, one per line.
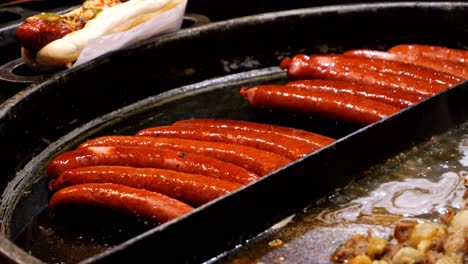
(281,145)
(299,134)
(350,108)
(338,68)
(193,189)
(148,158)
(378,93)
(148,205)
(258,161)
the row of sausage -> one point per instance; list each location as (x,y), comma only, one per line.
(163,172)
(362,85)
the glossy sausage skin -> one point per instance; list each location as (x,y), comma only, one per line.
(193,189)
(278,144)
(299,134)
(258,161)
(148,205)
(349,108)
(337,68)
(385,95)
(431,51)
(395,66)
(148,158)
(452,72)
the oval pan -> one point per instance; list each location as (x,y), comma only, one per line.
(46,112)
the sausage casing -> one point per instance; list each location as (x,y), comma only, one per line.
(299,134)
(431,51)
(148,158)
(349,108)
(450,72)
(281,145)
(148,205)
(378,93)
(258,161)
(193,189)
(335,67)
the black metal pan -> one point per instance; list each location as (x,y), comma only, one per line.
(197,73)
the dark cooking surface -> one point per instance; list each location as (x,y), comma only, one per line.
(54,108)
(77,233)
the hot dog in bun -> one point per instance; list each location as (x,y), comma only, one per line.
(51,41)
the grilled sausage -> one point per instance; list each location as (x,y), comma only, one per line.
(451,73)
(339,68)
(193,189)
(258,161)
(381,61)
(148,158)
(281,145)
(385,95)
(431,51)
(349,108)
(148,205)
(299,134)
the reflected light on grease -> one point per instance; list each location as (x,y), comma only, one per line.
(411,197)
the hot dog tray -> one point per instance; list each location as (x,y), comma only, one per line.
(197,72)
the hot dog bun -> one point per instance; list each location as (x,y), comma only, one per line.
(124,16)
